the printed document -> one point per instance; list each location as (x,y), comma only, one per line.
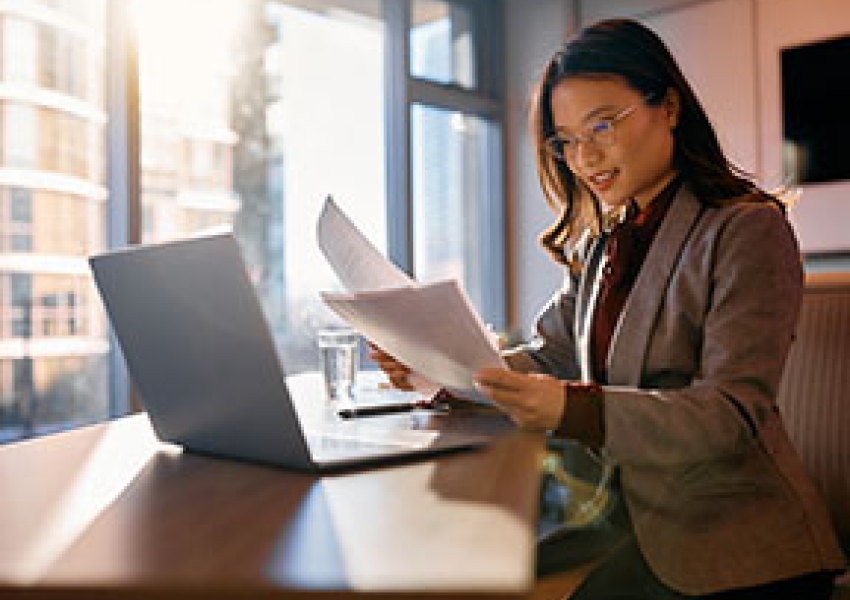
(358,264)
(432,328)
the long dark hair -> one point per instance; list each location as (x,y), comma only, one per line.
(630,51)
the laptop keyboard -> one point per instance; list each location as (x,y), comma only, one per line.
(365,440)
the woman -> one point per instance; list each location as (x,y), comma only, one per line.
(665,346)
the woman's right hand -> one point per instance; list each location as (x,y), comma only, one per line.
(396,371)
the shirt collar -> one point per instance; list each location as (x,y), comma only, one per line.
(631,211)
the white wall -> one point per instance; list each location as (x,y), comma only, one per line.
(534,30)
(714,45)
(594,10)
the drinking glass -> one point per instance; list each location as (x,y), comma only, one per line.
(339,347)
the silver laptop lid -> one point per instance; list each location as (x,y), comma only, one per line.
(199,349)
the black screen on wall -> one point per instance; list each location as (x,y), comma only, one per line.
(816,111)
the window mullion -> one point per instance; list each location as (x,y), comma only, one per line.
(453,97)
(123,220)
(397,132)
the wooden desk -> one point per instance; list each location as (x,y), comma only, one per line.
(109,512)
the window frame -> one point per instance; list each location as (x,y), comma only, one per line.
(123,172)
(484,100)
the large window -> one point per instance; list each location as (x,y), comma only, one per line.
(53,337)
(456,217)
(274,107)
(246,115)
(443,43)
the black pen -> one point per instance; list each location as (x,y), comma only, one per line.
(384,409)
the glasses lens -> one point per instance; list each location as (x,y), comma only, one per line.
(603,134)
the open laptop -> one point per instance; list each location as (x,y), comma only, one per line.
(201,354)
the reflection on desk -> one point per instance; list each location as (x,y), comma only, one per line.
(109,510)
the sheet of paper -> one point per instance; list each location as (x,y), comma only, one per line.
(431,328)
(358,264)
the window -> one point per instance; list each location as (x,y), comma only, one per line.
(19,50)
(457,209)
(62,65)
(53,355)
(15,220)
(63,142)
(442,43)
(19,304)
(247,115)
(19,132)
(20,286)
(20,205)
(453,212)
(275,106)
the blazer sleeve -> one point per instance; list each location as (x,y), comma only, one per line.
(754,287)
(553,346)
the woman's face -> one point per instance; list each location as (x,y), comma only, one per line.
(637,160)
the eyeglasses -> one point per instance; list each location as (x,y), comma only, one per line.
(601,134)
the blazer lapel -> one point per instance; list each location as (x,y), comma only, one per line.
(631,337)
(587,293)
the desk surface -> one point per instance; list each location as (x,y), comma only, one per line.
(108,511)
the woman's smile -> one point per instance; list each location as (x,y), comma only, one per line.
(602,181)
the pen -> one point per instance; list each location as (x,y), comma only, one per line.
(384,409)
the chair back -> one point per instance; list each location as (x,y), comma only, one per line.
(814,395)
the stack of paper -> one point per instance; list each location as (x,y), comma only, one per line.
(431,328)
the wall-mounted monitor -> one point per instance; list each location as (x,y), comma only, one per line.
(816,111)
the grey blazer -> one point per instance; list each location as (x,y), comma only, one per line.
(717,496)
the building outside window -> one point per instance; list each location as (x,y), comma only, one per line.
(53,347)
(250,114)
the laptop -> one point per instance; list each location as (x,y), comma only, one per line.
(202,356)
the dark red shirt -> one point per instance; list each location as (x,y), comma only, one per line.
(625,252)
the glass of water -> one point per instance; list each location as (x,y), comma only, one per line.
(339,347)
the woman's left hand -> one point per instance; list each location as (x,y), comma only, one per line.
(532,400)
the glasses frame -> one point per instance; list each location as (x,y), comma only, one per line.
(554,143)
